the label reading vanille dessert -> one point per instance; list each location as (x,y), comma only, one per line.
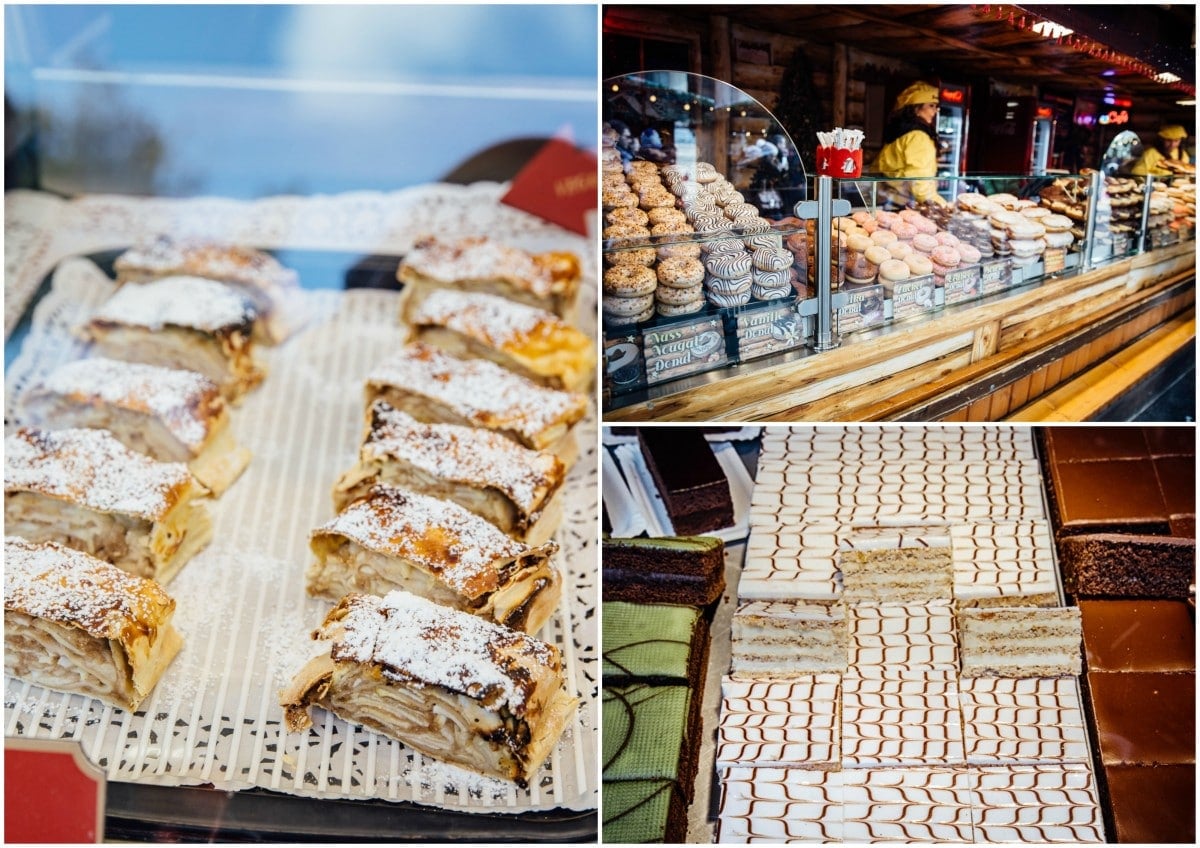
(774,328)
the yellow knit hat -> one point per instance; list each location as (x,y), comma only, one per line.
(1174,131)
(916,94)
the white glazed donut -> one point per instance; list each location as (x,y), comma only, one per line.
(919,264)
(1057,238)
(729,265)
(771,292)
(727,300)
(893,270)
(771,259)
(772,279)
(724,286)
(771,241)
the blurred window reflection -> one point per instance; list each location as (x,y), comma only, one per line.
(247,101)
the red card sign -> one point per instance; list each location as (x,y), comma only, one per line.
(51,793)
(558,184)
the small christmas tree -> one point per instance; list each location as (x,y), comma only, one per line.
(799,108)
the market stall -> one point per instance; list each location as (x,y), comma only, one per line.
(1080,280)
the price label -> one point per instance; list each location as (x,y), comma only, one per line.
(558,184)
(688,347)
(913,297)
(1054,259)
(624,369)
(863,309)
(995,276)
(962,284)
(769,329)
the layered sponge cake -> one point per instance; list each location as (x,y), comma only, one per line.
(782,639)
(885,564)
(1020,641)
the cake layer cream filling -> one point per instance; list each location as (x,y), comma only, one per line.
(1020,642)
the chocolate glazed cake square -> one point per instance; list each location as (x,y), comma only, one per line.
(692,483)
(1122,505)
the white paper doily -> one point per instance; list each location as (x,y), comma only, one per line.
(242,608)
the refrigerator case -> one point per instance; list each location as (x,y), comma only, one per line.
(1020,134)
(952,124)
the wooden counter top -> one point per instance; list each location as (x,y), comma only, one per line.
(915,369)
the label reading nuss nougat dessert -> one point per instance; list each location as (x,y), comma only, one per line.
(688,347)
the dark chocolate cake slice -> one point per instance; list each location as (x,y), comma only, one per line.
(692,483)
(1122,504)
(686,570)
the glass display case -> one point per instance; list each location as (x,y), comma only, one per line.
(697,175)
(683,297)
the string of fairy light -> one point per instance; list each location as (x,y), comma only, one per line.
(1020,19)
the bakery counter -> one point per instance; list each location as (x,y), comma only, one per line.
(206,754)
(984,361)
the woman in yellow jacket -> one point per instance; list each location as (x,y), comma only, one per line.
(1169,160)
(910,145)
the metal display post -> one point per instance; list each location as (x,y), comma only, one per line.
(824,209)
(1093,208)
(1143,230)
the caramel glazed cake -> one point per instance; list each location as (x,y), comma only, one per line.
(902,667)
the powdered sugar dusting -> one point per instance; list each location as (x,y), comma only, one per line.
(460,547)
(480,391)
(91,468)
(481,258)
(466,454)
(215,260)
(191,302)
(495,321)
(184,401)
(57,583)
(421,642)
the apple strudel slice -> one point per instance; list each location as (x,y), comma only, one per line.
(511,486)
(74,623)
(168,414)
(529,341)
(274,289)
(456,687)
(84,489)
(398,539)
(182,322)
(548,281)
(431,385)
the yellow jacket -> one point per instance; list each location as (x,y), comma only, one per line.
(911,155)
(1149,165)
